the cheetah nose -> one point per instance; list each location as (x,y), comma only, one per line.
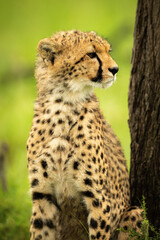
(113,70)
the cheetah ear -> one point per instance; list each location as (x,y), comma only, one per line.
(47,50)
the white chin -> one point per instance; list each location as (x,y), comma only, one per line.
(108,83)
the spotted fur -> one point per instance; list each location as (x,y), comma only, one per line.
(77,170)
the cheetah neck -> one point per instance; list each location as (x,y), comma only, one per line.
(61,112)
(75,94)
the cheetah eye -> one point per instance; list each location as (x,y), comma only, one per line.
(92,55)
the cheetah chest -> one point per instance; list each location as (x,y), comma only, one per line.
(63,183)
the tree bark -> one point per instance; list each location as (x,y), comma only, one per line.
(144,109)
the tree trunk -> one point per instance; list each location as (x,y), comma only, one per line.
(144,109)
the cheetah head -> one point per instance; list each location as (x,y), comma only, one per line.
(74,61)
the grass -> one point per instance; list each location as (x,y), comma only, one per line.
(23,24)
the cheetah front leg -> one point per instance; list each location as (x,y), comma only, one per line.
(45,211)
(43,217)
(99,215)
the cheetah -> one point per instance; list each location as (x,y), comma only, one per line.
(77,170)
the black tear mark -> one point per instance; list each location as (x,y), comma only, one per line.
(98,78)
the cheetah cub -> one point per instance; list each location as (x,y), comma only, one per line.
(77,170)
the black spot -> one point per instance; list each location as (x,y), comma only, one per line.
(50,132)
(85,110)
(114,217)
(49,223)
(48,120)
(57,112)
(44,164)
(94,159)
(88,173)
(80,136)
(34,152)
(93,237)
(81,117)
(133,218)
(83,154)
(95,203)
(80,128)
(139,224)
(45,174)
(131,208)
(77,145)
(89,147)
(69,155)
(75,165)
(126,218)
(46,233)
(103,223)
(39,237)
(98,235)
(68,138)
(125,228)
(38,196)
(101,182)
(107,209)
(38,223)
(88,194)
(37,121)
(34,182)
(102,155)
(107,228)
(60,121)
(88,181)
(58,100)
(93,223)
(47,154)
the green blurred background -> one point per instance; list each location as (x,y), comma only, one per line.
(22,24)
